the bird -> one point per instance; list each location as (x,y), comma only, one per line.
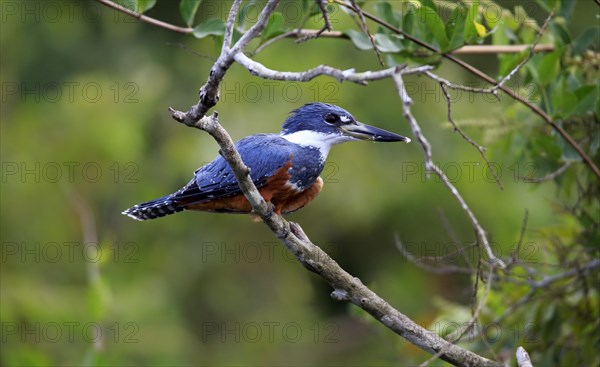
(284,167)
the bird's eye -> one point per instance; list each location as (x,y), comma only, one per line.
(331,118)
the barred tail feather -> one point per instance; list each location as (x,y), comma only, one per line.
(154,209)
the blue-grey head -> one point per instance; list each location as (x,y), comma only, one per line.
(323,125)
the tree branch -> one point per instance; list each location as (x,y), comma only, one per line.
(257,69)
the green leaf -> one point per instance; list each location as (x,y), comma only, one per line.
(509,62)
(585,40)
(561,32)
(386,43)
(188,9)
(385,12)
(274,27)
(587,96)
(568,153)
(435,25)
(244,12)
(360,40)
(129,4)
(549,5)
(563,100)
(473,16)
(566,9)
(546,147)
(144,5)
(455,28)
(545,70)
(212,27)
(408,21)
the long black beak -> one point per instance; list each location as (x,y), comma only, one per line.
(362,131)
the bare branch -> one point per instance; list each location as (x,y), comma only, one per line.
(229,26)
(350,75)
(523,359)
(432,167)
(462,87)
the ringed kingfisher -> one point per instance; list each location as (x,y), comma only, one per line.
(285,167)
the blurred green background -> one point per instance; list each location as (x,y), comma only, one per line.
(86,133)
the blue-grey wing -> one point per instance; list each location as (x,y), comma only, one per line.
(264,154)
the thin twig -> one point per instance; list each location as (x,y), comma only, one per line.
(432,167)
(515,254)
(229,26)
(191,50)
(529,55)
(145,18)
(445,269)
(454,238)
(365,28)
(322,4)
(479,148)
(550,176)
